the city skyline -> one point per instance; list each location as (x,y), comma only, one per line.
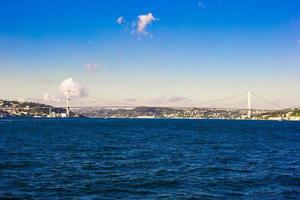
(149,52)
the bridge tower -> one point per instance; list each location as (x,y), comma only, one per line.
(50,111)
(68,104)
(249,105)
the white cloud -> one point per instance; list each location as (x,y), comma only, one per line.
(92,66)
(51,99)
(46,96)
(139,26)
(21,99)
(143,22)
(121,20)
(75,89)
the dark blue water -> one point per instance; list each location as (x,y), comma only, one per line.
(149,159)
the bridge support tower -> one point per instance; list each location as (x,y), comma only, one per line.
(68,104)
(249,105)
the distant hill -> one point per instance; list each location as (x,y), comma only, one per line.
(169,112)
(28,109)
(286,114)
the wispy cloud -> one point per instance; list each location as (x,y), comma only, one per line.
(130,100)
(44,81)
(92,66)
(121,20)
(167,100)
(51,99)
(175,99)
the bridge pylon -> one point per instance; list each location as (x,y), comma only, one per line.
(68,104)
(249,105)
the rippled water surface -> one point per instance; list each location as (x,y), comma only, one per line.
(149,159)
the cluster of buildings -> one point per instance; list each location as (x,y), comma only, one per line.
(164,112)
(191,113)
(290,115)
(19,109)
(12,108)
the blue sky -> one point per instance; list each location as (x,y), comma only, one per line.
(195,50)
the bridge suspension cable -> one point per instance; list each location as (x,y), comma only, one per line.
(111,101)
(215,100)
(267,100)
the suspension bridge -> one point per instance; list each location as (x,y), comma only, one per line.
(247,104)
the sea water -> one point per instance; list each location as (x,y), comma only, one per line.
(149,159)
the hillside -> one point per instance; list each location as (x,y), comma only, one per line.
(29,109)
(286,114)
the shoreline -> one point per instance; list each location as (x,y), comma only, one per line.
(138,118)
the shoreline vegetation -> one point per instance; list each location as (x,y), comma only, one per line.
(37,110)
